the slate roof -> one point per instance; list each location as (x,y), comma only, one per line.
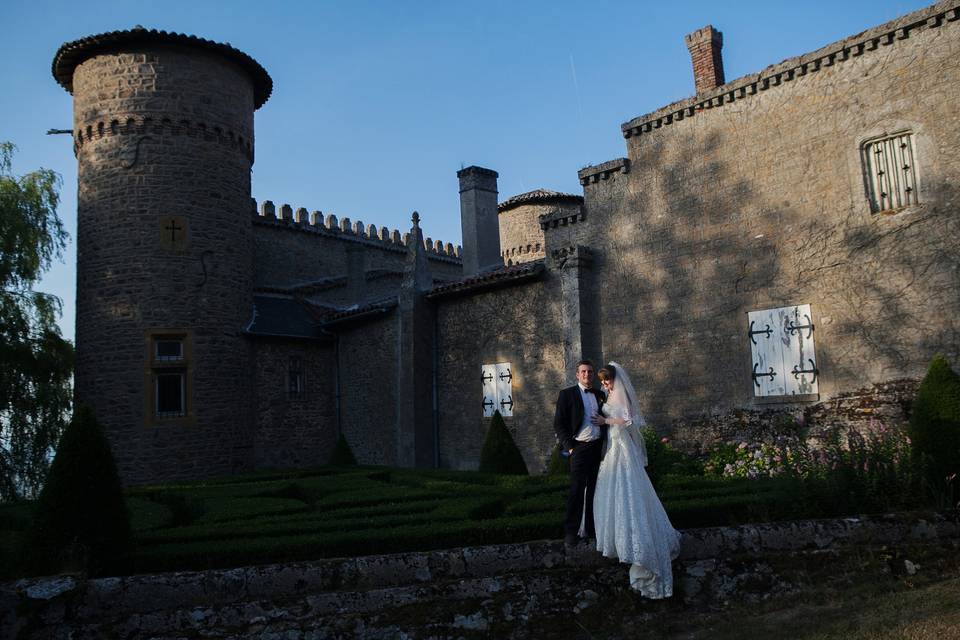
(72,54)
(504,276)
(285,317)
(360,311)
(539,196)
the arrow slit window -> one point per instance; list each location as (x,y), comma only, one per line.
(497,385)
(891,171)
(784,362)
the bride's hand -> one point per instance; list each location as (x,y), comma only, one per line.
(598,419)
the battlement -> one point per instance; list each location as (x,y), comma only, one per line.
(329,225)
(146,126)
(932,17)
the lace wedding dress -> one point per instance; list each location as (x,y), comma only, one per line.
(631,523)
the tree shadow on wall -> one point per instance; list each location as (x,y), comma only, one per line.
(697,245)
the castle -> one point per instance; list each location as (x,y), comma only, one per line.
(779,242)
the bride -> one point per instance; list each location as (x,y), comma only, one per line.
(630,520)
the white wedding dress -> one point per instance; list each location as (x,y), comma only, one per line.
(631,523)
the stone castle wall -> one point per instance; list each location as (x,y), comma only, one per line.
(368,368)
(754,196)
(290,251)
(488,328)
(294,430)
(164,137)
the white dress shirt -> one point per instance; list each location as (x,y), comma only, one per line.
(588,431)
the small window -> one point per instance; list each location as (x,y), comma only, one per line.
(296,387)
(170,392)
(169,376)
(169,350)
(891,171)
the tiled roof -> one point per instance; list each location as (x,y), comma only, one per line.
(538,196)
(504,276)
(285,317)
(71,54)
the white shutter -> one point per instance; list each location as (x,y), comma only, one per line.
(489,377)
(767,369)
(504,389)
(782,354)
(800,359)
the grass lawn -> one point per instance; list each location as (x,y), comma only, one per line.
(337,512)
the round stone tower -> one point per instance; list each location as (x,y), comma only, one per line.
(163,134)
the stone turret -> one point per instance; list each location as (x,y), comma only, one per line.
(163,134)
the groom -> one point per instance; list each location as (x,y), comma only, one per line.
(583,441)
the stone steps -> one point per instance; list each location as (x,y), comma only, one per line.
(515,590)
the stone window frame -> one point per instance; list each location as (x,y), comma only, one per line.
(295,368)
(157,365)
(924,157)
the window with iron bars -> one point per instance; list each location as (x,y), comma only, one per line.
(891,172)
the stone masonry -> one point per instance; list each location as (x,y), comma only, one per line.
(753,194)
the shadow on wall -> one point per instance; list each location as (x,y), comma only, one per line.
(521,325)
(696,246)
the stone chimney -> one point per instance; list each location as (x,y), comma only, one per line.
(705,45)
(478,220)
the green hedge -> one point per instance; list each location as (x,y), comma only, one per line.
(500,453)
(935,430)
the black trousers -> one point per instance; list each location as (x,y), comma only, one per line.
(584,465)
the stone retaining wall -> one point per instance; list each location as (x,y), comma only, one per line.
(533,589)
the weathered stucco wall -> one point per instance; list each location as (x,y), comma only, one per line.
(519,324)
(757,199)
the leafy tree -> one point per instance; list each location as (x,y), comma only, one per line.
(81,518)
(935,430)
(36,363)
(500,453)
(342,455)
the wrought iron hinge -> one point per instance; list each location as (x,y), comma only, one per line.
(506,376)
(797,371)
(753,332)
(793,328)
(487,402)
(486,378)
(770,374)
(508,401)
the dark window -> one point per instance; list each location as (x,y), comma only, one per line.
(170,393)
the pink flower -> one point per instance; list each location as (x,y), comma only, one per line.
(664,439)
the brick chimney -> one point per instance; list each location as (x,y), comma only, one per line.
(478,220)
(705,45)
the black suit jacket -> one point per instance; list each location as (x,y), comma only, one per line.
(569,415)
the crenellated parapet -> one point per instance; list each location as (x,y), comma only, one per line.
(862,44)
(329,225)
(604,171)
(131,125)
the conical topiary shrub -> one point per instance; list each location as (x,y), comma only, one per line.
(935,430)
(500,453)
(559,464)
(342,455)
(81,520)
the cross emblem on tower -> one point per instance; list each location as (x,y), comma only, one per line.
(173,232)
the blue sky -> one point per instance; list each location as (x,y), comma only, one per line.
(376,105)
